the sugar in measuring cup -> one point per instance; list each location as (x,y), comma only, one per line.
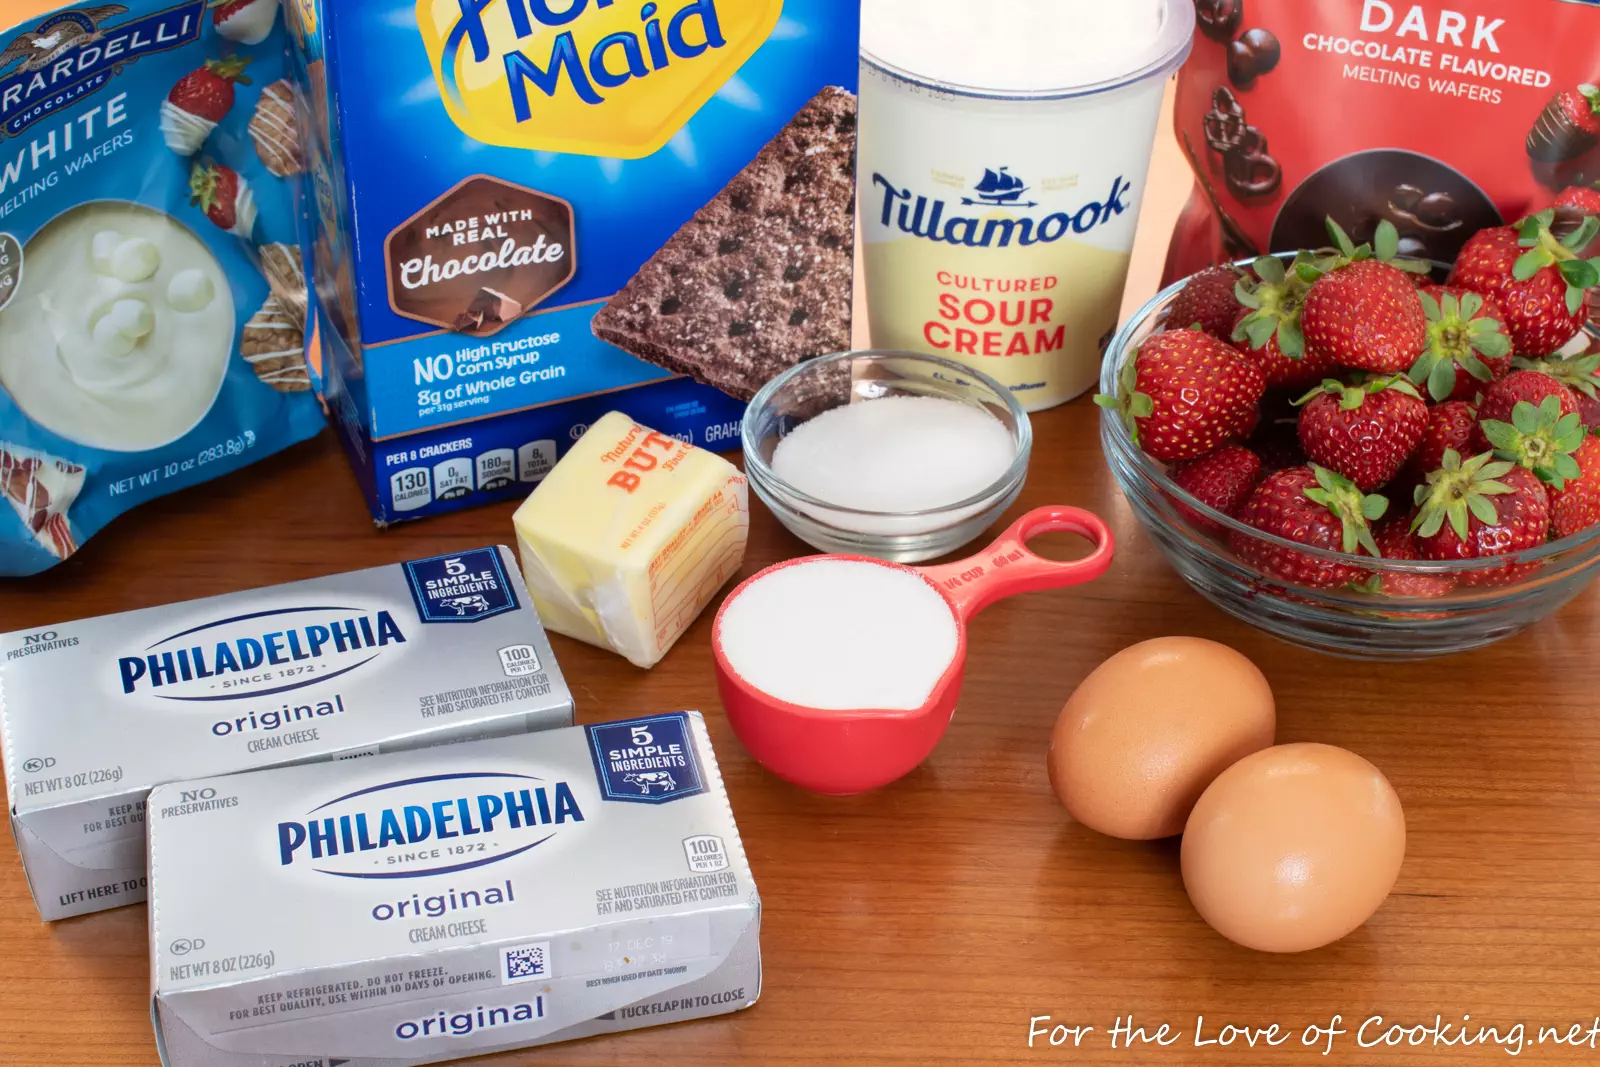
(841,673)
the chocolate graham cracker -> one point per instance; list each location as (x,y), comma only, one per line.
(760,279)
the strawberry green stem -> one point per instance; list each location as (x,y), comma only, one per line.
(1458,492)
(1549,243)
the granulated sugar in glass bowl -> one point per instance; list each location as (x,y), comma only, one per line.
(904,454)
(893,455)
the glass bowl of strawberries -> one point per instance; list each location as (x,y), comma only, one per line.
(1372,456)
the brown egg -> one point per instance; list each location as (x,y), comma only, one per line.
(1293,848)
(1152,726)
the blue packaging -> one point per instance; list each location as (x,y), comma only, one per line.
(599,129)
(152,298)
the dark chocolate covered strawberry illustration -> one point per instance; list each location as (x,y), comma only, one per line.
(1568,127)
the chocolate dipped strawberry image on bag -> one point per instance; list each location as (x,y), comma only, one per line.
(1444,117)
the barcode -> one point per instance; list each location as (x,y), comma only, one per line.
(525,963)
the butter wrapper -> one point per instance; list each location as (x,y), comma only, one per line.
(630,536)
(450,902)
(98,712)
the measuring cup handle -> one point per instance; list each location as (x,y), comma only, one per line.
(1007,568)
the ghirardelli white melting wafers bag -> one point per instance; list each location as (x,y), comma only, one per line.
(152,297)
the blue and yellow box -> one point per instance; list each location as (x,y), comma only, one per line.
(486,175)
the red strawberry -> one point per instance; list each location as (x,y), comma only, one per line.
(208,92)
(1568,127)
(1481,509)
(1283,372)
(1540,439)
(1184,394)
(1502,398)
(1208,302)
(1453,425)
(1582,106)
(1580,374)
(1467,344)
(1222,480)
(1589,412)
(1310,506)
(1365,432)
(1542,286)
(1576,506)
(1268,329)
(1572,208)
(218,190)
(245,21)
(1366,315)
(1396,542)
(1362,310)
(1584,198)
(1248,423)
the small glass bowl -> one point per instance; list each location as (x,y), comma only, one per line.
(802,393)
(1477,602)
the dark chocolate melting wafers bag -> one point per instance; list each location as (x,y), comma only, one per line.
(1442,117)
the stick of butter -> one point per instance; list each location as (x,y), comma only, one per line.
(630,536)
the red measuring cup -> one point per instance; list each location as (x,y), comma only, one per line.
(840,753)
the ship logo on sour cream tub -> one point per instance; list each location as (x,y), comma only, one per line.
(592,77)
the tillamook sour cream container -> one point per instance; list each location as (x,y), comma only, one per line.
(1003,155)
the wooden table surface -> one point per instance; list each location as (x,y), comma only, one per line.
(932,921)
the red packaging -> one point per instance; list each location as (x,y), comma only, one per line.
(1443,117)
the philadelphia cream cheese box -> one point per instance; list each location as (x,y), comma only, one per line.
(96,713)
(450,902)
(529,213)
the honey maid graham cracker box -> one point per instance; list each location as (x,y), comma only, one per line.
(527,213)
